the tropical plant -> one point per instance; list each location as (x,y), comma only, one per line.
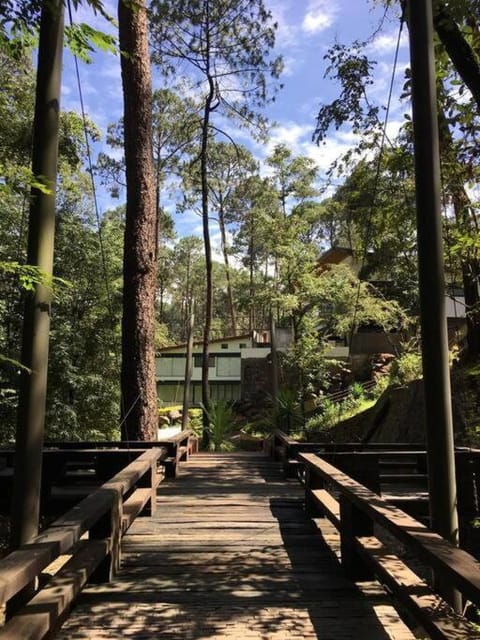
(287,412)
(220,424)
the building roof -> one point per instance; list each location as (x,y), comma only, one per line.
(335,255)
(246,336)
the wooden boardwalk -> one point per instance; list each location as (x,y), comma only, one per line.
(230,554)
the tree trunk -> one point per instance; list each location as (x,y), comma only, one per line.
(231,302)
(188,363)
(208,268)
(460,52)
(466,222)
(206,232)
(36,328)
(274,359)
(139,392)
(470,276)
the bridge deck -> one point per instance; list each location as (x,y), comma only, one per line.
(230,554)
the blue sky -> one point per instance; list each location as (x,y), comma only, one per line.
(306,28)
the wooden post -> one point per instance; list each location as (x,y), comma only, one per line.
(109,527)
(149,479)
(312,481)
(436,374)
(353,523)
(41,231)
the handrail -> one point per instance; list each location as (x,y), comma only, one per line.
(120,444)
(105,514)
(359,509)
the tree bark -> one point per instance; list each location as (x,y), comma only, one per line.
(462,207)
(206,231)
(208,267)
(458,49)
(231,302)
(139,393)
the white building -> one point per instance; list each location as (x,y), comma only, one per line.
(225,367)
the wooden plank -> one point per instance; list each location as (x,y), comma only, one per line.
(133,506)
(42,614)
(230,554)
(328,504)
(435,615)
(457,565)
(21,567)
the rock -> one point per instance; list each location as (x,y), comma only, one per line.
(163,421)
(175,416)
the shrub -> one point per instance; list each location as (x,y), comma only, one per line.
(329,416)
(357,391)
(221,422)
(195,421)
(287,414)
(406,368)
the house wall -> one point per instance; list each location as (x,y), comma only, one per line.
(172,392)
(455,307)
(225,366)
(225,370)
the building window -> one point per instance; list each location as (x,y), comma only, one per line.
(243,345)
(197,361)
(224,345)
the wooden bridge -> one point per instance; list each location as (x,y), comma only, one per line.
(229,551)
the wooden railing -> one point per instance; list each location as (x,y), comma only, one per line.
(285,449)
(357,512)
(179,447)
(105,515)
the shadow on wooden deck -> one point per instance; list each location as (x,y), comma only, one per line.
(231,554)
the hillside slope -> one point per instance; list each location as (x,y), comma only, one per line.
(399,415)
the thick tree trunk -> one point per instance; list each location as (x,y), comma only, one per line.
(139,393)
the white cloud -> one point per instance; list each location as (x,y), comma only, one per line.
(287,33)
(320,15)
(386,43)
(291,134)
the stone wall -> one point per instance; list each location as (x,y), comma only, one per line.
(256,376)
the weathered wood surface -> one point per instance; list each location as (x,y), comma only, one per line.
(231,554)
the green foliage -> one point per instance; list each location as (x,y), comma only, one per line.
(287,413)
(29,276)
(221,420)
(195,421)
(406,368)
(357,391)
(194,417)
(331,413)
(82,39)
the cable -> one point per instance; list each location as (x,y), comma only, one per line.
(124,413)
(378,169)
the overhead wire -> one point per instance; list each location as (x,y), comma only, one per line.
(106,276)
(373,203)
